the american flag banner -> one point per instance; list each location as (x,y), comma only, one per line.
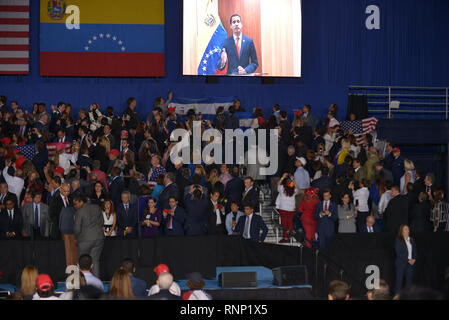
(53,147)
(14,36)
(360,127)
(28,151)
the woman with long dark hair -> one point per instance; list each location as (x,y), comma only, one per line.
(285,203)
(405,258)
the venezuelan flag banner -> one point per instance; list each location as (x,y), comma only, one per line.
(102,38)
(211,35)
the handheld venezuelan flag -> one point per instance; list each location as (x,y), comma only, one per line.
(114,38)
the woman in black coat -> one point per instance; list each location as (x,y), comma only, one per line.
(405,258)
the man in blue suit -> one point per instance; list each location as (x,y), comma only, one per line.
(138,286)
(238,55)
(398,166)
(116,186)
(251,225)
(197,209)
(170,190)
(127,217)
(173,218)
(234,188)
(326,213)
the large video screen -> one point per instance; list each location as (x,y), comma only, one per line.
(242,38)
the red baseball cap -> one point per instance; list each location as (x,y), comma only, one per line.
(396,150)
(6,140)
(124,132)
(161,269)
(20,161)
(16,151)
(59,170)
(43,282)
(114,152)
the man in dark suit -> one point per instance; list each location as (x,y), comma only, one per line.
(396,212)
(419,185)
(36,220)
(127,217)
(88,230)
(370,226)
(251,194)
(323,183)
(138,286)
(398,166)
(116,186)
(23,128)
(379,167)
(251,225)
(5,195)
(234,188)
(238,55)
(326,213)
(197,211)
(216,217)
(173,218)
(419,215)
(56,204)
(61,137)
(170,190)
(389,158)
(312,119)
(11,221)
(40,159)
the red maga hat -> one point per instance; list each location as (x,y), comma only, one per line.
(43,282)
(161,269)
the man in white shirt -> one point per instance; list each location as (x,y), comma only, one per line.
(85,265)
(16,182)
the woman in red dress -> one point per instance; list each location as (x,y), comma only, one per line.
(307,208)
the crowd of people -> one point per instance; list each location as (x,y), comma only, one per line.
(82,284)
(112,176)
(124,285)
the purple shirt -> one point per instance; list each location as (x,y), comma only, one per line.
(152,230)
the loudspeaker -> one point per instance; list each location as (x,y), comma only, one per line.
(237,279)
(290,275)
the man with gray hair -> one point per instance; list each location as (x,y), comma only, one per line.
(164,281)
(127,216)
(170,190)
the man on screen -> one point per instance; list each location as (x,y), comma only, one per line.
(238,54)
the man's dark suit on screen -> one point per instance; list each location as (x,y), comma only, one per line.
(326,225)
(247,58)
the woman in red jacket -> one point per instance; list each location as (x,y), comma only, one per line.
(307,209)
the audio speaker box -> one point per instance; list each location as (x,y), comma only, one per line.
(290,275)
(237,279)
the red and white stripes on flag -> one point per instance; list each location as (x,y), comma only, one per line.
(368,126)
(14,36)
(53,147)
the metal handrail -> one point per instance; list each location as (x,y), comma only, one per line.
(444,99)
(319,254)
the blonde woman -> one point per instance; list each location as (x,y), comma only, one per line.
(105,143)
(28,282)
(345,146)
(409,175)
(120,287)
